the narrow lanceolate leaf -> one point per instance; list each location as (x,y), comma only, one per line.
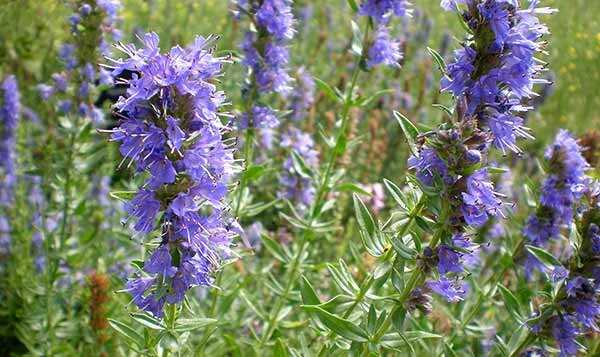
(396,193)
(327,90)
(309,296)
(511,302)
(394,340)
(439,60)
(300,165)
(340,326)
(403,250)
(348,186)
(363,215)
(409,129)
(148,321)
(184,325)
(281,349)
(127,332)
(543,256)
(124,196)
(254,172)
(357,37)
(274,248)
(341,280)
(353,6)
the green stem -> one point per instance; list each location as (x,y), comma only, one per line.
(321,193)
(279,303)
(52,254)
(248,153)
(416,278)
(369,281)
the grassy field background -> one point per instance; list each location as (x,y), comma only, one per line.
(29,30)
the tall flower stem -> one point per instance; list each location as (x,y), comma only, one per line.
(321,193)
(248,157)
(368,282)
(416,278)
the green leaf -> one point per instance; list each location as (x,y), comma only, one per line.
(348,186)
(353,5)
(340,326)
(341,280)
(281,349)
(327,90)
(398,316)
(543,256)
(127,332)
(254,172)
(449,112)
(403,250)
(510,300)
(184,325)
(363,215)
(372,319)
(516,339)
(252,306)
(122,195)
(396,193)
(257,208)
(409,129)
(148,321)
(340,145)
(439,60)
(274,248)
(363,102)
(309,296)
(357,37)
(337,304)
(300,166)
(419,335)
(497,170)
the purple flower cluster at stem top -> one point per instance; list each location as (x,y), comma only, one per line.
(579,308)
(490,76)
(10,113)
(498,69)
(561,189)
(172,131)
(579,313)
(384,49)
(94,21)
(265,50)
(266,55)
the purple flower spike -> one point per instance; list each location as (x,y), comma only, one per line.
(189,164)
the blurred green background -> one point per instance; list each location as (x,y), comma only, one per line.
(31,31)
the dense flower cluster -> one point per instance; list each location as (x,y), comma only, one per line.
(496,69)
(172,130)
(93,28)
(384,48)
(10,113)
(563,193)
(578,312)
(266,55)
(560,191)
(265,50)
(490,77)
(295,186)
